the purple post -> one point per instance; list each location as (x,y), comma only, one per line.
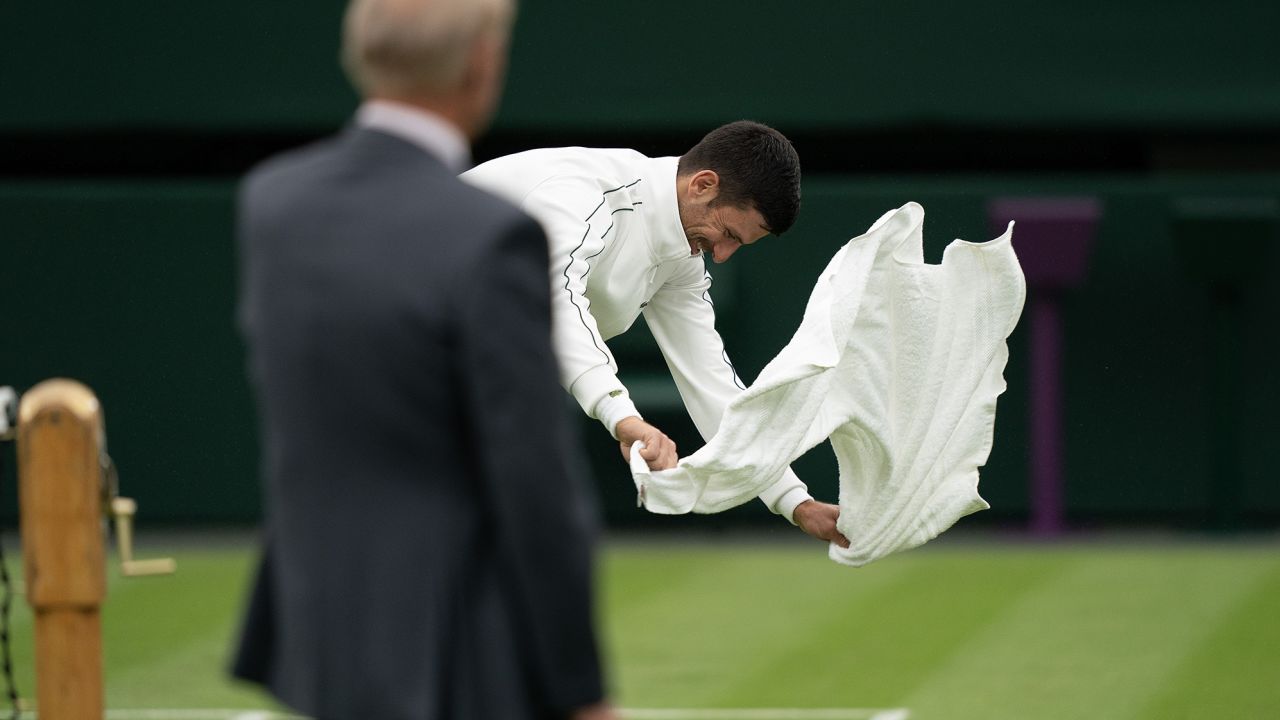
(1053,238)
(1047,508)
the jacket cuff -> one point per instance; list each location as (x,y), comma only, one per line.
(612,408)
(783,496)
(593,385)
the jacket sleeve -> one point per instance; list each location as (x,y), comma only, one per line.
(576,221)
(682,320)
(543,518)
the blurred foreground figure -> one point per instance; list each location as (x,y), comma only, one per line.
(428,535)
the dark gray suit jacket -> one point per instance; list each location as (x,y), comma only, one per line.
(428,531)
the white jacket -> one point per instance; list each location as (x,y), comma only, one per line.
(618,250)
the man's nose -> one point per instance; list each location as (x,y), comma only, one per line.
(723,251)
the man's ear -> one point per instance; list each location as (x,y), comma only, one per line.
(703,186)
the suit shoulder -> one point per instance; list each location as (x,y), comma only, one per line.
(290,164)
(492,210)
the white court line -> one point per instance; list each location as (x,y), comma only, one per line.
(628,713)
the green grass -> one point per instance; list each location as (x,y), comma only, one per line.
(953,631)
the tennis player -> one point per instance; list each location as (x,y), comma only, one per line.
(628,235)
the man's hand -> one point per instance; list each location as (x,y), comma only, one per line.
(599,711)
(659,451)
(819,520)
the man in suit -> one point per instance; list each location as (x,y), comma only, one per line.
(428,535)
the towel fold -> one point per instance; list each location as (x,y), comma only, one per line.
(899,364)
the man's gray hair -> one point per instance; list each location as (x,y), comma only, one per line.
(416,48)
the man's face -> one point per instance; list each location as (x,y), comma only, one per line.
(719,230)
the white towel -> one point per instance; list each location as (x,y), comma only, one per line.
(899,364)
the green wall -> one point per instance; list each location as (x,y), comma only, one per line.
(129,287)
(1139,368)
(820,64)
(123,128)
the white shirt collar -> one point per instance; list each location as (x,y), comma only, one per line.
(425,129)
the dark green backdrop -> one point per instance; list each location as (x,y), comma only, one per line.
(830,64)
(130,287)
(120,272)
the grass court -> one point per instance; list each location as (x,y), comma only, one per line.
(731,628)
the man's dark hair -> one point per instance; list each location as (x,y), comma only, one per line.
(757,168)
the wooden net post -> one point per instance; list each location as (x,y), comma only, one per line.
(60,484)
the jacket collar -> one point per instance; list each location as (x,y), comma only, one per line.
(667,238)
